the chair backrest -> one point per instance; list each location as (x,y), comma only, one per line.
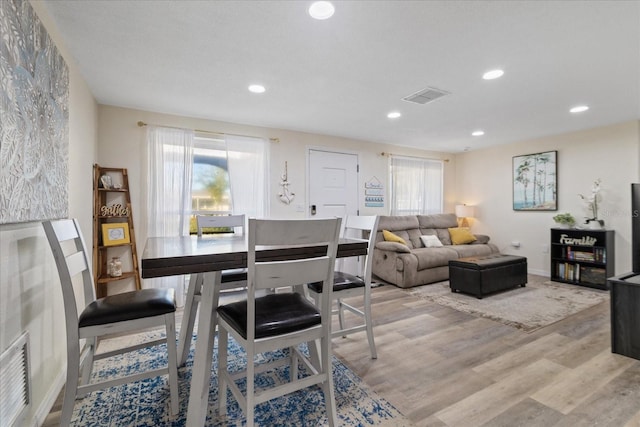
(223,221)
(363,228)
(71,261)
(292,268)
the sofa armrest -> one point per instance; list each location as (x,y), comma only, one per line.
(481,239)
(393,247)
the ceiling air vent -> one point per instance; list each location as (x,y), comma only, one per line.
(426,95)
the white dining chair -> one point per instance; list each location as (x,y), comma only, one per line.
(125,313)
(346,285)
(230,279)
(283,319)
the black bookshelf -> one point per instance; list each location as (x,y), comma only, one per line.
(582,257)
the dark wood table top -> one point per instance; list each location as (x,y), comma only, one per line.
(170,256)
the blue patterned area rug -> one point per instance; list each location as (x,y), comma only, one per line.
(146,403)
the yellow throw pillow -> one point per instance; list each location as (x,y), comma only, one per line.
(461,236)
(390,237)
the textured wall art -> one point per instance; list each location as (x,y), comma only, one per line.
(34,119)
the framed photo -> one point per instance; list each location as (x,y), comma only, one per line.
(535,182)
(116,233)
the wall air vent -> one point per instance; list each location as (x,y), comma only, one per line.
(426,95)
(15,382)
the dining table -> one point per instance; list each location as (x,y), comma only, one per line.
(209,255)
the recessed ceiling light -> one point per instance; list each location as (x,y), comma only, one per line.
(256,88)
(579,109)
(394,115)
(477,133)
(321,10)
(493,74)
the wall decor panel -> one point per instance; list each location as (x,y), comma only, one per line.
(34,119)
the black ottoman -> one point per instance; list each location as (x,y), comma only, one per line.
(482,275)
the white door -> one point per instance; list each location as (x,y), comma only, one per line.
(333,184)
(333,191)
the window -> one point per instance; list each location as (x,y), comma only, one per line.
(416,186)
(210,182)
(229,176)
(210,192)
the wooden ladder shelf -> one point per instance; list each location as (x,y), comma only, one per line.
(112,208)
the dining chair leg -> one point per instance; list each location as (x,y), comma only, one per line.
(293,369)
(189,317)
(87,364)
(314,346)
(170,324)
(327,385)
(222,371)
(251,382)
(71,386)
(341,315)
(369,323)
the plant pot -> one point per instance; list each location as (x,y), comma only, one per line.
(596,224)
(558,225)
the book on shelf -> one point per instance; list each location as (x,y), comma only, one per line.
(568,271)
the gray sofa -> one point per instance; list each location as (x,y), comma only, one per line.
(414,264)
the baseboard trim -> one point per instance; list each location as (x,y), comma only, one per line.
(538,272)
(49,400)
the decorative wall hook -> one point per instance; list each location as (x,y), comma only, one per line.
(286,195)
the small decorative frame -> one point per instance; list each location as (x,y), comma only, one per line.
(374,193)
(116,233)
(535,182)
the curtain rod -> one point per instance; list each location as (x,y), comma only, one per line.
(142,124)
(413,157)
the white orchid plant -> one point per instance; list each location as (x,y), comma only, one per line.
(592,201)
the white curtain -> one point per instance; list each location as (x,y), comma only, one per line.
(416,186)
(170,167)
(247,160)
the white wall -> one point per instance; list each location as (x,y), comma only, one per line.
(612,153)
(30,297)
(121,144)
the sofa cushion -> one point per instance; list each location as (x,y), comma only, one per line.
(393,246)
(390,237)
(431,241)
(447,220)
(443,235)
(394,223)
(461,236)
(434,257)
(465,251)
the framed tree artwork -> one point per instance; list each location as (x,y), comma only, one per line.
(535,182)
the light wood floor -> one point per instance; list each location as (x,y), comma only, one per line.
(441,367)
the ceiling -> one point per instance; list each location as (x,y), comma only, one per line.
(342,76)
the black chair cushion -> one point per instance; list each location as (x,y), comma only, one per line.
(341,281)
(128,306)
(276,314)
(237,275)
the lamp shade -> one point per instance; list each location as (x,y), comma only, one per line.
(464,211)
